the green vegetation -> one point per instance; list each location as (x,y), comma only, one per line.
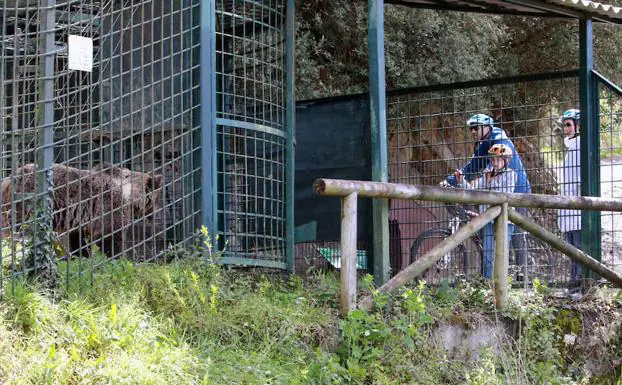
(197,322)
(430,47)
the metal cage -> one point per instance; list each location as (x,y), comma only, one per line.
(116,155)
(251,131)
(119,139)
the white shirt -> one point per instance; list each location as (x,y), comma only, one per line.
(502,181)
(570,219)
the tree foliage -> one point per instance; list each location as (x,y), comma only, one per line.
(431,47)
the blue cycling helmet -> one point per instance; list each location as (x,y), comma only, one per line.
(572,113)
(480,120)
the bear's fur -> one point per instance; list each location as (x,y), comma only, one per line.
(144,236)
(143,189)
(87,204)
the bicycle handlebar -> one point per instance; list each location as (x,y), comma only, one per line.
(457,209)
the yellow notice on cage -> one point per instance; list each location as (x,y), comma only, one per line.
(80,53)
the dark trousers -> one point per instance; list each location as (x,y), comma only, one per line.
(519,245)
(574,238)
(519,241)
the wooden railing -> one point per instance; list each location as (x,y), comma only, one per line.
(499,211)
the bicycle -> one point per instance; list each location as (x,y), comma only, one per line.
(458,216)
(458,258)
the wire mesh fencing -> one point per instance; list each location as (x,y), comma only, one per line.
(610,150)
(112,146)
(251,133)
(428,139)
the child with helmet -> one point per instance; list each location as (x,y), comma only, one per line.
(497,177)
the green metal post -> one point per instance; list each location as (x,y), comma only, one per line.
(208,116)
(378,125)
(290,121)
(590,141)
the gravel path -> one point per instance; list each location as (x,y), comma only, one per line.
(611,223)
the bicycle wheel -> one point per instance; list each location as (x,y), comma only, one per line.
(458,258)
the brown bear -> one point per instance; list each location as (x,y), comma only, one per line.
(87,204)
(145,236)
(142,189)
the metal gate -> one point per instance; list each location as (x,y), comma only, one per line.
(254,141)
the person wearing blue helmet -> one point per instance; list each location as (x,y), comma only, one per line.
(483,128)
(569,220)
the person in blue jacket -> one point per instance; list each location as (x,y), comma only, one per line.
(483,128)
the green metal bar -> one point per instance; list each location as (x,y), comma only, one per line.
(191,161)
(379,153)
(45,123)
(485,82)
(590,142)
(458,85)
(209,159)
(607,83)
(290,126)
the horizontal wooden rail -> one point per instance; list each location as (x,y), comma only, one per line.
(364,189)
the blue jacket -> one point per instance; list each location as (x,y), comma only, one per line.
(481,159)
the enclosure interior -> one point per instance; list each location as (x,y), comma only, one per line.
(135,110)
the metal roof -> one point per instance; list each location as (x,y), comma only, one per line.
(569,9)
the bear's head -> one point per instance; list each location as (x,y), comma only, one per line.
(143,190)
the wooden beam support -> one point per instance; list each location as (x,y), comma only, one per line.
(348,254)
(430,258)
(565,247)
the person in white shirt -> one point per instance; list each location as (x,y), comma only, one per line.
(497,177)
(569,220)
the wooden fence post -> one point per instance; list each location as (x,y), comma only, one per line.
(501,264)
(348,253)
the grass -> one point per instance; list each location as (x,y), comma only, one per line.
(192,322)
(177,324)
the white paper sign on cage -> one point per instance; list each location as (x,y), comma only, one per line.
(80,53)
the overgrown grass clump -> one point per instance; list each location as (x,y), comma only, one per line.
(193,322)
(183,323)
